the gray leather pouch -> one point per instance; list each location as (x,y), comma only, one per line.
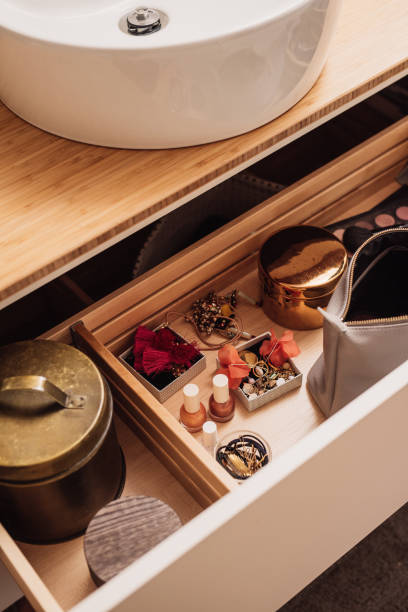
(365,330)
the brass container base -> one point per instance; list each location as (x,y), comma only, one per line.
(299,267)
(60,509)
(83,530)
(295,314)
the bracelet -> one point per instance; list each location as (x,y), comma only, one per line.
(243,456)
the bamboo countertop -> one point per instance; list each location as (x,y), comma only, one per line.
(62,201)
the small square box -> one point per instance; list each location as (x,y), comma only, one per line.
(175,385)
(272,394)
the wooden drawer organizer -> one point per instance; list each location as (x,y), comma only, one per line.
(350,184)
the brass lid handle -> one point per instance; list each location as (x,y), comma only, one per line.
(29,392)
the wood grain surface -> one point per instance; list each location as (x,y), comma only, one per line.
(63,201)
(123,531)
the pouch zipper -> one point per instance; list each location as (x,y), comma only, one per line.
(350,283)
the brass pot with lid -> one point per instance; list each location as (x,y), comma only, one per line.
(299,268)
(59,456)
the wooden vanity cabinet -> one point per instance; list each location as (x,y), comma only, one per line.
(330,482)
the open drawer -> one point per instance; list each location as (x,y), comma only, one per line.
(329,483)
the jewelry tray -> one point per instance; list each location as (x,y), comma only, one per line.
(178,383)
(275,392)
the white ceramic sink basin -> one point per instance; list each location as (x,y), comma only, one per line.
(215,69)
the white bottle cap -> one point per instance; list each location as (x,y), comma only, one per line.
(220,388)
(191,399)
(209,434)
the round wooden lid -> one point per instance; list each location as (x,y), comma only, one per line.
(123,531)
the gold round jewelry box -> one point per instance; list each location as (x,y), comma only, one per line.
(299,267)
(60,460)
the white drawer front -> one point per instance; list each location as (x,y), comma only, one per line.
(262,543)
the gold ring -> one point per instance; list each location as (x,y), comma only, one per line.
(260,369)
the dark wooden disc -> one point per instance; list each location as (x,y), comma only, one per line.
(123,531)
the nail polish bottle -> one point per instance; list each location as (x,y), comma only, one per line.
(210,436)
(222,403)
(192,413)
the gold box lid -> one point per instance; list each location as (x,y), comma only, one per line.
(39,437)
(302,262)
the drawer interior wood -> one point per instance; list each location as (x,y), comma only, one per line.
(282,423)
(344,186)
(225,259)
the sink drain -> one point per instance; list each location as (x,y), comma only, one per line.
(143,21)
